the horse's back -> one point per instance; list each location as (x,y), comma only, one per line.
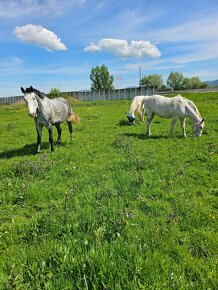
(59,101)
(164,106)
(60,110)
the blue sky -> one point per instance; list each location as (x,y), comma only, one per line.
(55,43)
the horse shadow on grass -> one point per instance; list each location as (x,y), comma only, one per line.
(123,122)
(143,136)
(27,150)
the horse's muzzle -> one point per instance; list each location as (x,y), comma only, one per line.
(131,119)
(32,115)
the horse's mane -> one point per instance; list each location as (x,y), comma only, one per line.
(136,105)
(40,94)
(191,104)
(32,90)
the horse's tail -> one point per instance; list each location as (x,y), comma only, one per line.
(73,117)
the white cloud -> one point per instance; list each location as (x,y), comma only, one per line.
(198,53)
(11,61)
(11,9)
(206,75)
(123,49)
(203,29)
(40,36)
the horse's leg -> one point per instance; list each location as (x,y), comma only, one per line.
(39,137)
(148,124)
(50,137)
(58,127)
(143,115)
(174,120)
(183,127)
(69,123)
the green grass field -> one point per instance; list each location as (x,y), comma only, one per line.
(111,210)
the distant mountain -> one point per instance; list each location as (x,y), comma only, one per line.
(212,83)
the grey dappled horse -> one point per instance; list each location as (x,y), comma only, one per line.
(48,112)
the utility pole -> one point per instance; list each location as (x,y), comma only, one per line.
(140,75)
(140,78)
(119,82)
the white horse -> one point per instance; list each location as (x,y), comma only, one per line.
(175,108)
(47,113)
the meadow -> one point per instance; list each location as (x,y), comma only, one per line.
(111,210)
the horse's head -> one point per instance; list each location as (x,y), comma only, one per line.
(198,127)
(130,118)
(30,98)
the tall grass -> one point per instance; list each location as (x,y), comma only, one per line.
(111,210)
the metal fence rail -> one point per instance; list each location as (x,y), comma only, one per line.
(119,94)
(10,100)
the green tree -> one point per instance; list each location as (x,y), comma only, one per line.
(154,80)
(196,82)
(187,84)
(101,80)
(193,83)
(204,85)
(54,93)
(175,80)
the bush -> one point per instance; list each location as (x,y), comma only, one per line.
(54,93)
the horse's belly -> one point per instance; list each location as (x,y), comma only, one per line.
(164,113)
(59,114)
(58,119)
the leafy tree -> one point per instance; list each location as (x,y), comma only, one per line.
(164,88)
(187,83)
(54,93)
(193,83)
(204,85)
(196,82)
(154,80)
(175,80)
(101,80)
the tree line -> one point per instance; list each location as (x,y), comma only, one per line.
(175,81)
(102,81)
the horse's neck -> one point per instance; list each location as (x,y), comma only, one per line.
(135,103)
(44,105)
(193,114)
(133,108)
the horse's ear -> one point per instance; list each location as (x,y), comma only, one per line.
(22,90)
(31,89)
(202,121)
